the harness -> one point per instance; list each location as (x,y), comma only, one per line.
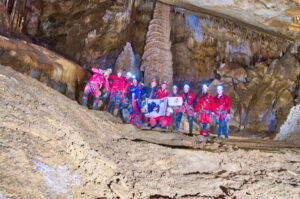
(175,108)
(203,98)
(92,88)
(153,91)
(218,111)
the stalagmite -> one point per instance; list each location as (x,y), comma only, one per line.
(157,58)
(291,127)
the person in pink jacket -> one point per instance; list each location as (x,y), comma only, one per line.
(116,91)
(95,83)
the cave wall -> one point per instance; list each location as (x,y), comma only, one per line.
(201,43)
(260,72)
(94,32)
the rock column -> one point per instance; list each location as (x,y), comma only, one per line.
(157,59)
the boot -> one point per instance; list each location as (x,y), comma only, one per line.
(85,101)
(95,105)
(201,139)
(115,112)
(100,104)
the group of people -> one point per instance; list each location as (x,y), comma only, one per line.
(128,100)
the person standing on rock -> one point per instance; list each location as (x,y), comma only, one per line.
(204,109)
(188,107)
(222,112)
(98,79)
(160,94)
(176,110)
(116,87)
(133,114)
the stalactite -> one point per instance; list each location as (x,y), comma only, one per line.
(157,58)
(16,11)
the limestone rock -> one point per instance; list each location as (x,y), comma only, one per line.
(157,57)
(290,130)
(42,64)
(127,61)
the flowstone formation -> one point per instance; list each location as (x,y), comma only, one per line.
(290,130)
(42,64)
(157,57)
(19,16)
(128,61)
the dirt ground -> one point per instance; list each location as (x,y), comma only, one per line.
(51,147)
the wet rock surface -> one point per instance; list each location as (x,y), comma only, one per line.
(48,140)
(128,61)
(54,70)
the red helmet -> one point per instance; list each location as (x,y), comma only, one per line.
(153,80)
(119,70)
(164,82)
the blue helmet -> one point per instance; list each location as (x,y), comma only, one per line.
(109,70)
(175,85)
(134,77)
(129,74)
(220,87)
(186,85)
(204,86)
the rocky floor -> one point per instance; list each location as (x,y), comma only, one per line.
(51,147)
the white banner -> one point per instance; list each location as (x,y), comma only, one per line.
(156,107)
(175,101)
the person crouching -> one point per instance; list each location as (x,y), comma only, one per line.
(160,94)
(162,122)
(98,79)
(133,114)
